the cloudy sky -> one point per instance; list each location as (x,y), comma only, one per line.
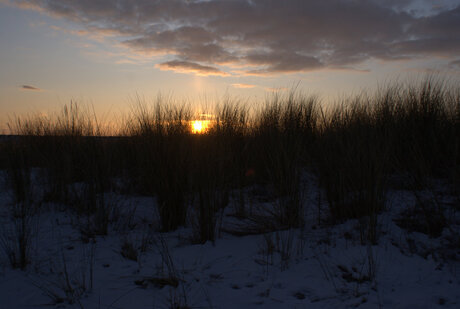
(106,52)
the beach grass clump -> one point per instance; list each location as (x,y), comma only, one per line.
(426,131)
(282,139)
(16,236)
(352,157)
(162,157)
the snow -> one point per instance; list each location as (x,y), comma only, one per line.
(318,266)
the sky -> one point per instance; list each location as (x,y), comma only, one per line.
(107,53)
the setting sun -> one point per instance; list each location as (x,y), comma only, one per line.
(199,126)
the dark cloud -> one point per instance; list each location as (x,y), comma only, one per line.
(281,62)
(28,87)
(270,36)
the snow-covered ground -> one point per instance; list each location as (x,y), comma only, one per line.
(319,266)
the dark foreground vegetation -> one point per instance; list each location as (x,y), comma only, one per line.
(358,149)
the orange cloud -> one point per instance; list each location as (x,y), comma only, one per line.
(276,89)
(244,86)
(190,67)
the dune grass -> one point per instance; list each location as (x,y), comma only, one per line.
(353,147)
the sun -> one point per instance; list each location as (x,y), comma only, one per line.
(199,126)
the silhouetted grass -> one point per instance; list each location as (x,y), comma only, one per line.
(354,147)
(16,239)
(217,164)
(161,157)
(283,135)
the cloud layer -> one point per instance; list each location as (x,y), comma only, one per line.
(266,37)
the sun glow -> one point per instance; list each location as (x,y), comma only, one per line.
(200,126)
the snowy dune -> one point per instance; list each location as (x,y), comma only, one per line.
(319,266)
